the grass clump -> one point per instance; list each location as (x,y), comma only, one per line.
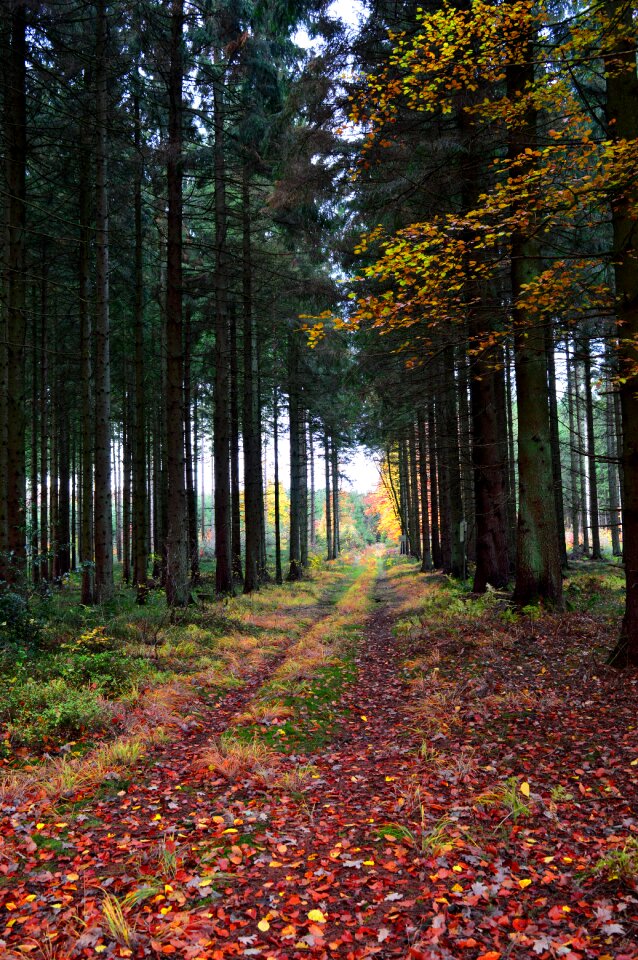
(233,758)
(508,795)
(619,865)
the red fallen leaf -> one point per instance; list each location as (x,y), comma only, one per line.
(471,942)
(490,955)
(520,923)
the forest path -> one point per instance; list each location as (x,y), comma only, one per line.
(447,787)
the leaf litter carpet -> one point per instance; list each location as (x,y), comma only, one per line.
(447,817)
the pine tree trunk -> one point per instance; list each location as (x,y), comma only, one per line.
(313,523)
(44,427)
(278,568)
(103,518)
(336,535)
(538,562)
(582,477)
(329,543)
(35,559)
(573,455)
(64,489)
(591,451)
(415,537)
(140,491)
(190,455)
(303,492)
(437,556)
(13,549)
(622,112)
(555,441)
(127,456)
(223,535)
(612,460)
(86,341)
(294,416)
(426,562)
(250,424)
(177,584)
(234,449)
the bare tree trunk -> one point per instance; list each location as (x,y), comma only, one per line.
(35,559)
(573,456)
(336,535)
(622,113)
(437,558)
(223,540)
(86,340)
(313,524)
(190,456)
(426,562)
(553,428)
(538,562)
(329,542)
(591,450)
(234,450)
(278,568)
(177,585)
(251,425)
(13,549)
(103,518)
(140,494)
(294,416)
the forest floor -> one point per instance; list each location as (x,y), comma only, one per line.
(403,771)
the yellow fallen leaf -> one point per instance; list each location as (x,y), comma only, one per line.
(365,719)
(524,788)
(457,888)
(263,925)
(40,826)
(316,916)
(524,883)
(158,816)
(274,863)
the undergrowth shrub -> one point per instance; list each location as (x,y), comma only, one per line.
(34,710)
(18,625)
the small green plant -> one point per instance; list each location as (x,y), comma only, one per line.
(437,839)
(395,831)
(167,858)
(620,864)
(296,779)
(429,754)
(533,611)
(560,794)
(509,795)
(118,926)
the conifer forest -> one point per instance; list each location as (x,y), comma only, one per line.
(319,479)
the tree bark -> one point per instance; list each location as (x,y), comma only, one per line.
(177,585)
(591,451)
(140,494)
(103,517)
(622,115)
(234,450)
(251,425)
(13,549)
(278,570)
(538,566)
(223,542)
(329,543)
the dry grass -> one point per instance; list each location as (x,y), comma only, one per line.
(233,759)
(272,712)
